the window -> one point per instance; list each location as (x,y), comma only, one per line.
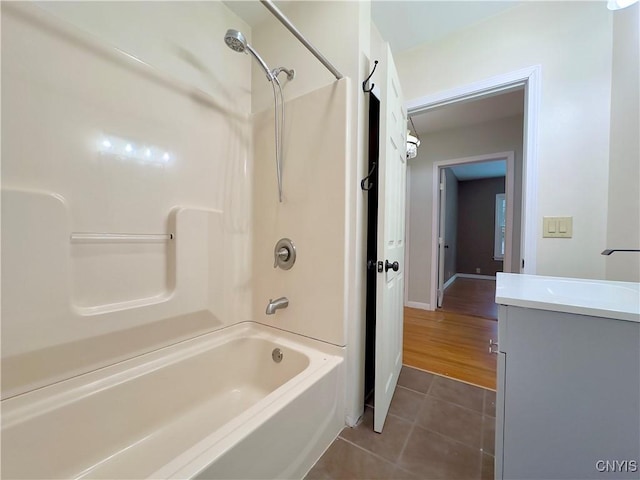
(501,208)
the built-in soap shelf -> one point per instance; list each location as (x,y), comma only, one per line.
(119,271)
(105,272)
(98,297)
(112,271)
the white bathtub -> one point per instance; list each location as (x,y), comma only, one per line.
(216,406)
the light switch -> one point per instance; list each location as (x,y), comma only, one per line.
(557,227)
(551,226)
(562,226)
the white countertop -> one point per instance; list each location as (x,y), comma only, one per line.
(598,298)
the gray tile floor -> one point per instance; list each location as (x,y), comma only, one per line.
(437,428)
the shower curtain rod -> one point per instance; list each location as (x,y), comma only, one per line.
(287,23)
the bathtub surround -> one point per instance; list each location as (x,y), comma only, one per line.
(349,48)
(312,213)
(71,307)
(160,154)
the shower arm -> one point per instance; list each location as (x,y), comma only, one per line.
(291,73)
(269,73)
(296,33)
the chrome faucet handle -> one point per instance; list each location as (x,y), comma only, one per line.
(284,254)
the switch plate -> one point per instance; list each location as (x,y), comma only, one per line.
(557,227)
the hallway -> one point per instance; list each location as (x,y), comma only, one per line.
(471,296)
(454,341)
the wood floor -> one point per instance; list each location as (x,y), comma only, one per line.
(471,296)
(454,341)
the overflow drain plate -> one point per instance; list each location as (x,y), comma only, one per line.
(276,355)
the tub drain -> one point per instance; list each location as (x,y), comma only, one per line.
(276,355)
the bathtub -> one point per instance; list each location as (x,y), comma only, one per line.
(216,406)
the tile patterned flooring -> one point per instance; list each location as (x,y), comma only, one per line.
(437,428)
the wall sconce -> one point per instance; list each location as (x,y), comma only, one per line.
(412,145)
(413,142)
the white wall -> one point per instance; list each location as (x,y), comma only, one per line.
(71,307)
(623,227)
(491,137)
(572,43)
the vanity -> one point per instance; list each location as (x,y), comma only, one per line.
(568,391)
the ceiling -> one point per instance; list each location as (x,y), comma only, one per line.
(479,170)
(407,24)
(463,114)
(404,24)
(251,12)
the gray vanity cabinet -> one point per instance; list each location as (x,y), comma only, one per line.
(568,396)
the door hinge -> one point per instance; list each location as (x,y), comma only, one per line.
(523,263)
(442,186)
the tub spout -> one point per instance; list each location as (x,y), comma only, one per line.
(278,303)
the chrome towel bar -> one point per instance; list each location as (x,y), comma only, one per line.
(609,251)
(84,237)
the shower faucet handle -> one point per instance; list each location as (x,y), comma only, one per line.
(284,254)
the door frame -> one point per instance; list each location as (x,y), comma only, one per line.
(530,78)
(438,166)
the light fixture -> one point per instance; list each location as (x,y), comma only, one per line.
(619,4)
(413,142)
(412,145)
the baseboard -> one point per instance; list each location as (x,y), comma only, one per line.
(421,306)
(473,275)
(450,281)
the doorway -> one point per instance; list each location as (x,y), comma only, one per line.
(474,208)
(528,80)
(423,320)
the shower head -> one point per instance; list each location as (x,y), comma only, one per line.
(236,41)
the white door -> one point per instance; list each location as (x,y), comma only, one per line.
(391,209)
(441,234)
